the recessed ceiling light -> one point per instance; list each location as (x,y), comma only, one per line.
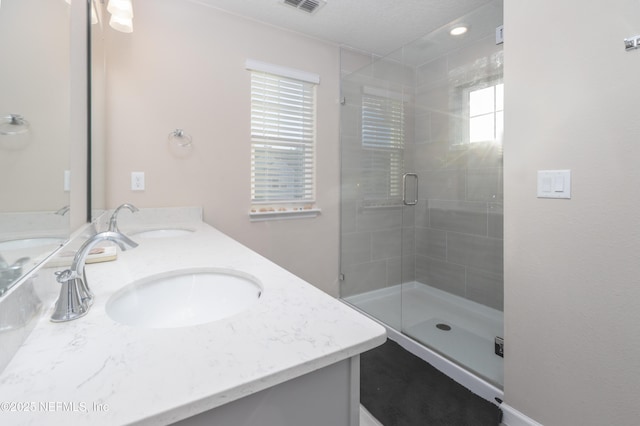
(458,30)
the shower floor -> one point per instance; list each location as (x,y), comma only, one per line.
(459,329)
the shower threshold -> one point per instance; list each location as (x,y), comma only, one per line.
(452,329)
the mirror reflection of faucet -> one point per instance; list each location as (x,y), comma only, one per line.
(64,210)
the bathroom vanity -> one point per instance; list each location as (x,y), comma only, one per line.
(290,358)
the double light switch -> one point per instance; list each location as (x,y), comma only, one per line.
(554,183)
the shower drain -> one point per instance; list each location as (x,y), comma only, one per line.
(444,327)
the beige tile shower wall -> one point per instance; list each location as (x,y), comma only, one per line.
(184,67)
(459,218)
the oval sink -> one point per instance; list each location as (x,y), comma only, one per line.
(26,243)
(162,233)
(184,298)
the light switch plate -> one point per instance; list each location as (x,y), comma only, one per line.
(554,184)
(500,34)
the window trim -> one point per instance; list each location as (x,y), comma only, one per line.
(461,94)
(308,77)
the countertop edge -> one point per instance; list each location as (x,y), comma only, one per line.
(203,405)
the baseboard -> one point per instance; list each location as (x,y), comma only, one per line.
(513,417)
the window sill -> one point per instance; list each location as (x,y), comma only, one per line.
(376,205)
(284,215)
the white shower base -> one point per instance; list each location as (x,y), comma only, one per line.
(465,353)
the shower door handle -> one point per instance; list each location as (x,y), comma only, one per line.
(404,189)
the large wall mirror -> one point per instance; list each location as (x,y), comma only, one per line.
(43,130)
(35,133)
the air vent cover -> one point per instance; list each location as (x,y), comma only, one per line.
(309,6)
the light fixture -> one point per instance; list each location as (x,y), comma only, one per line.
(459,30)
(121,15)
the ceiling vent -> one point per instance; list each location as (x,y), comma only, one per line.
(309,6)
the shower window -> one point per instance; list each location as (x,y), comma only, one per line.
(282,143)
(383,145)
(482,112)
(486,113)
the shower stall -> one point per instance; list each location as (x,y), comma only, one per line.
(421,195)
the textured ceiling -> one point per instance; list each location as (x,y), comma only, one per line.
(377,26)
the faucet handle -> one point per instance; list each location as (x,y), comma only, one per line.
(70,304)
(64,276)
(84,292)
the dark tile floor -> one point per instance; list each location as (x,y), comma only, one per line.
(400,389)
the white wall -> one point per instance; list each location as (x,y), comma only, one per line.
(572,267)
(184,67)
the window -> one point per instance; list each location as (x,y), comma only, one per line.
(486,113)
(383,143)
(283,121)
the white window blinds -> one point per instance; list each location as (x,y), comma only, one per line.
(282,139)
(383,141)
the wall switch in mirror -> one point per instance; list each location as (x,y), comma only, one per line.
(67,180)
(137,181)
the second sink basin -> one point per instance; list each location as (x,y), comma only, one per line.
(184,298)
(162,233)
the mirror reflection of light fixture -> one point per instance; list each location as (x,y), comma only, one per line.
(121,15)
(121,24)
(459,30)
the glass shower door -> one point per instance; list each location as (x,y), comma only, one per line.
(371,204)
(452,295)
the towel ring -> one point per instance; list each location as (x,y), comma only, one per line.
(13,124)
(179,138)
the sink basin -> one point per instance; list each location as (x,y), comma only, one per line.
(26,243)
(184,298)
(162,233)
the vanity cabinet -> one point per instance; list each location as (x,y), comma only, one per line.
(328,396)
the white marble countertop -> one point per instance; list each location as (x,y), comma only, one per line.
(96,371)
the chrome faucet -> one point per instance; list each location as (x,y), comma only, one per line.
(10,273)
(75,295)
(113,222)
